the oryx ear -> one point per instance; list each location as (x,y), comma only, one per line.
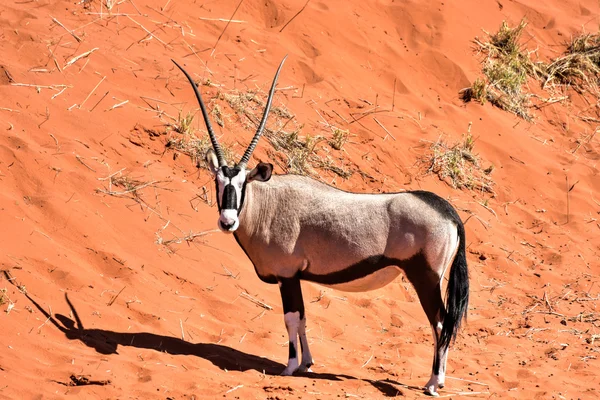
(261,173)
(212,161)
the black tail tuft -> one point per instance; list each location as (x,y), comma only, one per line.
(457,292)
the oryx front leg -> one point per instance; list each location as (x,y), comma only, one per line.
(295,323)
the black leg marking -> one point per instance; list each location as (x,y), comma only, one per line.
(292,353)
(293,310)
(291,295)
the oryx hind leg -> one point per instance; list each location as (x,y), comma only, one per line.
(427,284)
(295,323)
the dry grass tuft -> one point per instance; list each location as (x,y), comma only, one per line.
(297,152)
(459,166)
(339,138)
(183,124)
(579,66)
(507,68)
(196,148)
(120,185)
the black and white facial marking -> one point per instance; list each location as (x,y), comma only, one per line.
(231,188)
(231,184)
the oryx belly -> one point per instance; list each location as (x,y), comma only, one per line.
(374,280)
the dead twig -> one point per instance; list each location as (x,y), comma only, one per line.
(255,301)
(80,159)
(110,303)
(79,57)
(93,90)
(188,238)
(224,29)
(150,33)
(67,29)
(384,128)
(295,15)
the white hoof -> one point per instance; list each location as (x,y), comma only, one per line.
(433,385)
(431,390)
(305,368)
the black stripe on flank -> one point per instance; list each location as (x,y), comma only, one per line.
(365,268)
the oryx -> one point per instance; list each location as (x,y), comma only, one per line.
(295,228)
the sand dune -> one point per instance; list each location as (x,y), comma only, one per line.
(106,285)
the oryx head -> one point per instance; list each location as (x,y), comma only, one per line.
(231,181)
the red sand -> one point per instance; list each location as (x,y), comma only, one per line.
(533,267)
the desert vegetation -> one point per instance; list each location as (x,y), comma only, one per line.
(516,80)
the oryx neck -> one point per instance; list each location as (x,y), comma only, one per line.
(255,210)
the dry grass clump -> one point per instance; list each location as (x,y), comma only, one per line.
(507,67)
(297,153)
(300,153)
(119,184)
(188,143)
(459,166)
(250,104)
(183,124)
(579,66)
(196,149)
(339,138)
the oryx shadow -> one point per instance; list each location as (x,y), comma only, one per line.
(224,357)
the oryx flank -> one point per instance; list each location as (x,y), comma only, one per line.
(295,228)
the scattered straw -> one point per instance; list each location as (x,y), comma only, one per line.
(79,57)
(92,92)
(112,300)
(255,301)
(67,29)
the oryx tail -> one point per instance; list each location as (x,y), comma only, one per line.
(457,291)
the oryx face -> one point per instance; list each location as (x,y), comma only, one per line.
(231,181)
(231,188)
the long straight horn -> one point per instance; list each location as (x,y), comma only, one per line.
(263,122)
(211,134)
